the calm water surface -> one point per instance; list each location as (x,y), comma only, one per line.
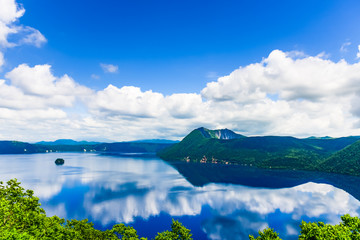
(147,193)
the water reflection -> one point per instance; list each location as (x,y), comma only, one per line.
(146,191)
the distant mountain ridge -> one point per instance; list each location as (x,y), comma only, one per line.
(203,145)
(326,154)
(68,145)
(156,141)
(66,142)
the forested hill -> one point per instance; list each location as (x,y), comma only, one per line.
(15,147)
(266,152)
(345,161)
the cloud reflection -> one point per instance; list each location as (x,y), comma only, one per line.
(124,189)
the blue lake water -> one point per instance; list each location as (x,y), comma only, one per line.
(215,202)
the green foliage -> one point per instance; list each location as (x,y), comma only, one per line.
(21,217)
(178,232)
(266,234)
(348,229)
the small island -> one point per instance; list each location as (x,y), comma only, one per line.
(59,161)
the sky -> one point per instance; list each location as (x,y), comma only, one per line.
(120,70)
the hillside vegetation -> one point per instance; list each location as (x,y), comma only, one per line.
(202,145)
(345,161)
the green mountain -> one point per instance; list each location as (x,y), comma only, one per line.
(345,161)
(203,145)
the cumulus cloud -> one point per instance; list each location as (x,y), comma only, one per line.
(313,94)
(34,99)
(283,94)
(127,101)
(39,81)
(131,101)
(309,78)
(109,68)
(10,12)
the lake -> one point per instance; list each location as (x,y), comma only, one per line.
(215,202)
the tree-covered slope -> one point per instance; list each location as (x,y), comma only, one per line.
(345,161)
(269,151)
(14,147)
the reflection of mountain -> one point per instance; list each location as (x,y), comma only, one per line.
(246,209)
(110,190)
(202,174)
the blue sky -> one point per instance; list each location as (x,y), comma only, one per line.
(174,46)
(162,49)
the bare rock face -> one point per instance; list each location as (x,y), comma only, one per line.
(59,161)
(224,134)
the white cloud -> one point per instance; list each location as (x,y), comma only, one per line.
(344,47)
(358,53)
(314,96)
(309,78)
(109,68)
(39,81)
(34,103)
(10,12)
(4,32)
(127,101)
(2,60)
(184,106)
(33,37)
